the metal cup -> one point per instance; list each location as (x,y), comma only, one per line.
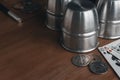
(80,27)
(55,13)
(109,15)
(54,7)
(53,22)
(64,5)
(98,3)
(57,7)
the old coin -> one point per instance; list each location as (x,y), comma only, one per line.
(98,67)
(81,60)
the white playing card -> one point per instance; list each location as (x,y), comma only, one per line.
(114,63)
(111,51)
(113,48)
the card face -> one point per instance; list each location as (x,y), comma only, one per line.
(111,53)
(111,59)
(116,48)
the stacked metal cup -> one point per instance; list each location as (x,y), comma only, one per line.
(55,12)
(109,16)
(54,15)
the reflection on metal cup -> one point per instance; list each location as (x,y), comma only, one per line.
(109,15)
(53,22)
(80,27)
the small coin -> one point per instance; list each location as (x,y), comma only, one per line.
(98,67)
(81,60)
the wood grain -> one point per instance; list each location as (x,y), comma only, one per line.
(33,52)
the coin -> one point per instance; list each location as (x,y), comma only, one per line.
(81,60)
(98,67)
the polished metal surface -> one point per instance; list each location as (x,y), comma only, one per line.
(98,3)
(109,15)
(58,7)
(53,22)
(109,30)
(80,44)
(80,27)
(55,7)
(64,5)
(81,19)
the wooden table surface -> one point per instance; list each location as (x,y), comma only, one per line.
(31,51)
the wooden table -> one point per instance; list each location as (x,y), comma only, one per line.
(31,51)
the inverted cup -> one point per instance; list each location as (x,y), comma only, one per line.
(109,15)
(80,27)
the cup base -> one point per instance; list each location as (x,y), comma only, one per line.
(79,51)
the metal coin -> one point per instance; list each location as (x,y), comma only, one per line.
(81,60)
(98,67)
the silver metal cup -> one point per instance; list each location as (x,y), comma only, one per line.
(64,5)
(55,7)
(98,3)
(80,27)
(53,22)
(109,15)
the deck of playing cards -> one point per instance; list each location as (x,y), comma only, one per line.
(111,52)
